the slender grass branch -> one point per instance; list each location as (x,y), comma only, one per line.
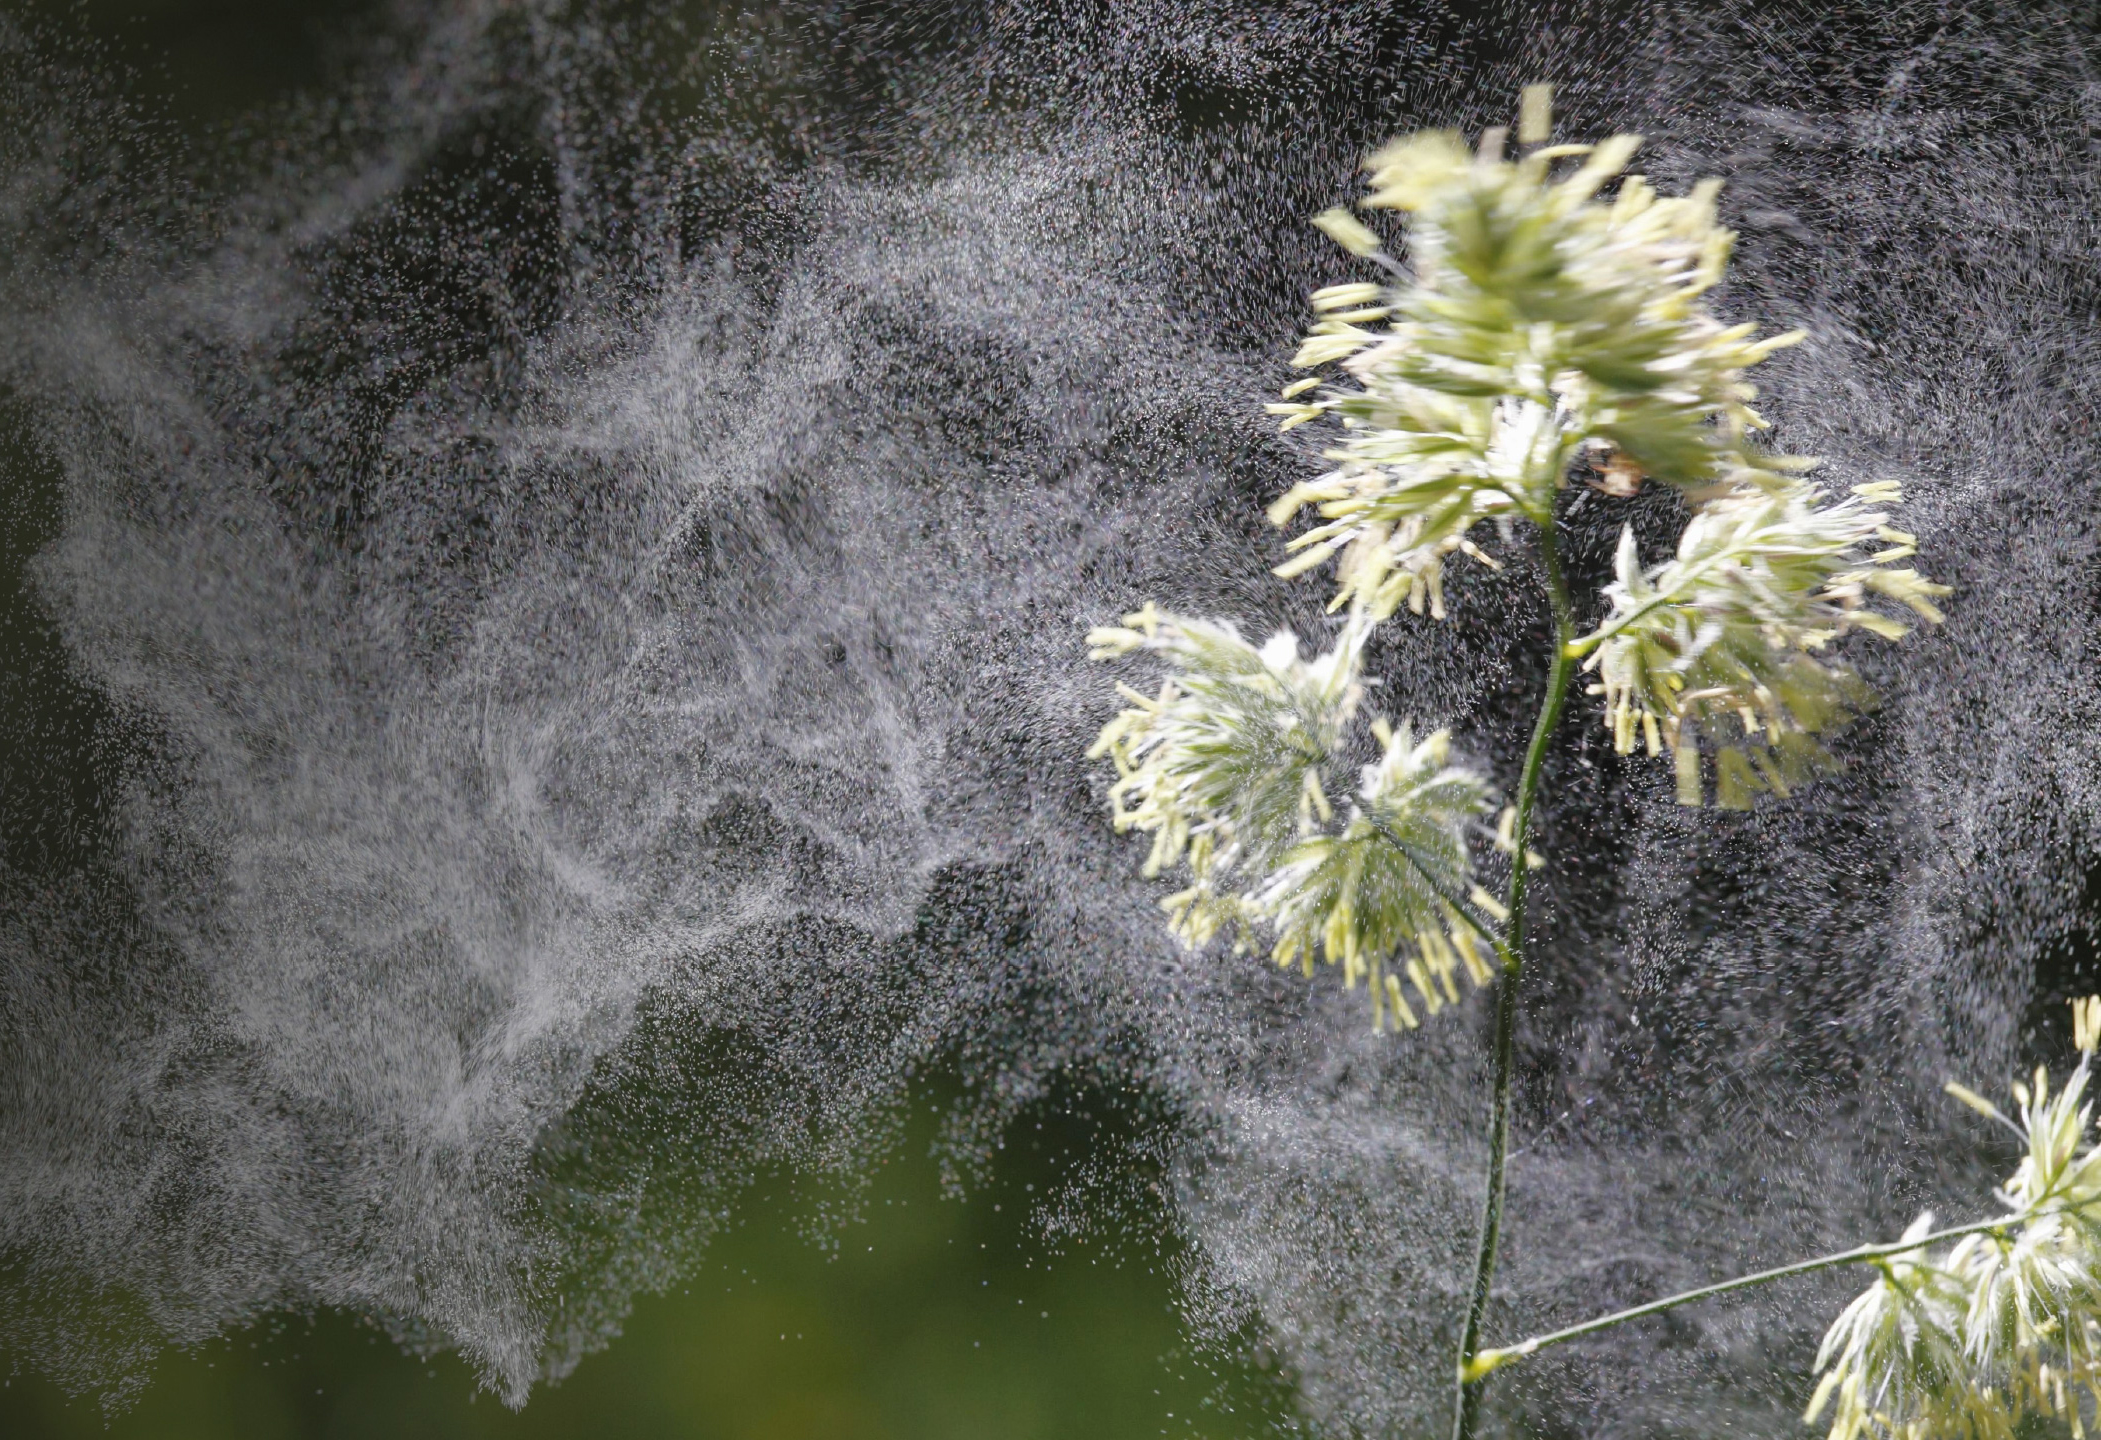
(1485,1361)
(1691,574)
(1460,907)
(1466,1400)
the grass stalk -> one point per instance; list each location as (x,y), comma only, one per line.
(1467,1392)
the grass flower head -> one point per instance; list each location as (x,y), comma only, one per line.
(1544,326)
(2006,1322)
(1387,895)
(1725,639)
(1538,325)
(1226,768)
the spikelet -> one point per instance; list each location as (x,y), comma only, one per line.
(1723,641)
(1223,768)
(1226,770)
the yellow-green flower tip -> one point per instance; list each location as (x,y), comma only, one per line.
(1347,231)
(1486,1362)
(2086,1023)
(1972,1099)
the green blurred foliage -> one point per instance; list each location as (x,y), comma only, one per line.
(920,1318)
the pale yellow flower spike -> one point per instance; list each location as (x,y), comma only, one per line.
(1347,231)
(2086,1024)
(1399,1004)
(1975,1101)
(1476,968)
(1535,121)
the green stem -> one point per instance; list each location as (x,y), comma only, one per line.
(1487,1360)
(1467,1400)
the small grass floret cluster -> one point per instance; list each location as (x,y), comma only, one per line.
(1228,769)
(2004,1323)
